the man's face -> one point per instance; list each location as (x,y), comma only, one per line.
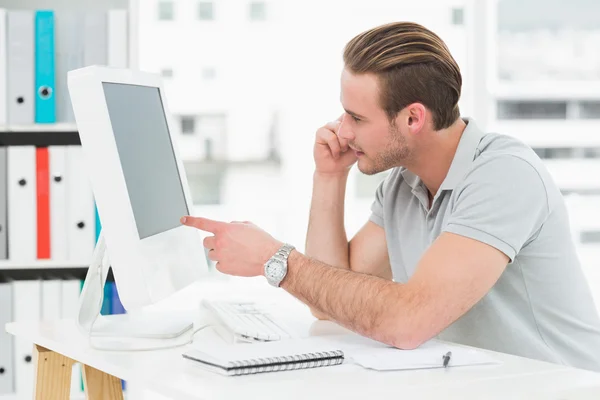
(378,144)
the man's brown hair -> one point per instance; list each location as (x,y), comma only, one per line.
(412,64)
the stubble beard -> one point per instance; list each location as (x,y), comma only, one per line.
(395,154)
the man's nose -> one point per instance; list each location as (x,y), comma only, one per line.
(344,130)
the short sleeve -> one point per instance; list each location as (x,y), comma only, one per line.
(503,203)
(377,206)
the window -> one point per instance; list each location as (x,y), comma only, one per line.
(208,149)
(165,10)
(518,109)
(548,40)
(206,11)
(205,181)
(209,73)
(589,237)
(258,11)
(560,152)
(212,132)
(166,73)
(589,109)
(591,152)
(581,192)
(458,16)
(567,152)
(188,125)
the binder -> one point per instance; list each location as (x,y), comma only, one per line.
(116,305)
(26,307)
(22,210)
(117,38)
(95,38)
(43,202)
(45,104)
(80,208)
(107,299)
(3,68)
(51,299)
(68,30)
(3,204)
(97,223)
(6,341)
(20,60)
(70,290)
(58,203)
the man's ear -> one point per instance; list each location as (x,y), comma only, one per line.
(415,115)
(411,118)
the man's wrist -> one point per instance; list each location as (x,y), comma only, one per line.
(331,176)
(294,259)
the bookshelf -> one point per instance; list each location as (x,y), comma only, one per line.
(49,287)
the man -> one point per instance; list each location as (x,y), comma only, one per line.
(470,226)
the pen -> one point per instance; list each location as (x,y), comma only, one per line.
(446,358)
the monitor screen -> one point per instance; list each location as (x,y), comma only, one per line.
(147,159)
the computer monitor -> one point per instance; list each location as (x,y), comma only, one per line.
(138,180)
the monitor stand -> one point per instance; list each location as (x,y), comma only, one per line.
(137,330)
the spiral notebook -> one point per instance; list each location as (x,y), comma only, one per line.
(244,359)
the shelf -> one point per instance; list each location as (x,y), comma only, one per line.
(45,270)
(41,264)
(35,136)
(58,127)
(42,269)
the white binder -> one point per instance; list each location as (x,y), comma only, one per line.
(26,306)
(21,67)
(51,299)
(70,298)
(69,302)
(58,203)
(81,232)
(117,38)
(6,341)
(22,211)
(3,205)
(69,56)
(3,69)
(95,38)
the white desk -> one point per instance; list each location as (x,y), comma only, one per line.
(167,373)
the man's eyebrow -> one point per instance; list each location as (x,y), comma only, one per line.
(354,114)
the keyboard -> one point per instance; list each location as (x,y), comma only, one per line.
(247,320)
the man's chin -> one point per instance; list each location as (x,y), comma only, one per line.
(366,168)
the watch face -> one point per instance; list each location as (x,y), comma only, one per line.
(274,269)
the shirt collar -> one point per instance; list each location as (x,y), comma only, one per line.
(464,156)
(465,153)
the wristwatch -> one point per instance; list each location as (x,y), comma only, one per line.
(276,267)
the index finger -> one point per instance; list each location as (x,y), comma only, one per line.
(203,224)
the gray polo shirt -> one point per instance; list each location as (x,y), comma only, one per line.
(499,192)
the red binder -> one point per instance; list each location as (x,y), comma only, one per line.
(43,202)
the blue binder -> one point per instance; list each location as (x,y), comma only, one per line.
(45,104)
(98,224)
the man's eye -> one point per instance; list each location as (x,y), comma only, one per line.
(355,118)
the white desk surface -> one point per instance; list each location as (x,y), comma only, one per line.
(167,373)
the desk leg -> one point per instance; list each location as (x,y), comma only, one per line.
(100,385)
(53,378)
(52,375)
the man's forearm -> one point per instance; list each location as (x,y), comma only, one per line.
(326,238)
(366,304)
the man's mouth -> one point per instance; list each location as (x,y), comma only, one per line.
(356,151)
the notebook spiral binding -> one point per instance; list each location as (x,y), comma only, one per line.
(299,361)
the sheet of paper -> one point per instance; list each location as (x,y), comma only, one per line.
(428,355)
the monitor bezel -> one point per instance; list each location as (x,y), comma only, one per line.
(150,269)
